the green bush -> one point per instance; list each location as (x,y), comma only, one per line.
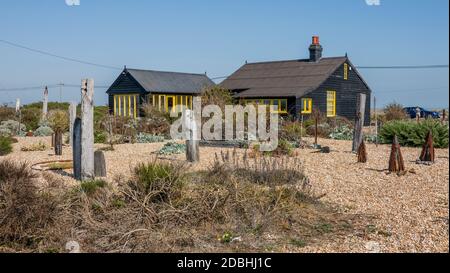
(10,127)
(292,131)
(100,137)
(31,118)
(159,180)
(5,145)
(342,133)
(394,111)
(7,113)
(172,148)
(148,138)
(43,131)
(90,187)
(59,120)
(412,134)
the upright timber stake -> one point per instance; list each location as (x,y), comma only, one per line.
(359,122)
(87,130)
(362,153)
(76,147)
(396,163)
(193,141)
(428,154)
(45,105)
(72,117)
(100,164)
(58,142)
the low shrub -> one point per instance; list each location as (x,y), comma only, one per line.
(342,133)
(27,211)
(90,187)
(5,145)
(43,131)
(59,120)
(413,134)
(323,130)
(394,111)
(7,113)
(31,118)
(148,138)
(159,181)
(100,137)
(12,127)
(292,131)
(38,147)
(172,148)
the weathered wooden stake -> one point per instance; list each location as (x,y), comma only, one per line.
(396,163)
(72,117)
(428,154)
(376,120)
(58,143)
(45,105)
(359,122)
(76,147)
(99,164)
(87,130)
(444,116)
(362,153)
(193,141)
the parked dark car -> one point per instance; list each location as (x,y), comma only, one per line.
(411,111)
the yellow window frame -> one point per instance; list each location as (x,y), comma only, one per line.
(345,71)
(331,103)
(307,106)
(123,102)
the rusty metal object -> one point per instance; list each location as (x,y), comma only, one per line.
(362,153)
(428,152)
(396,162)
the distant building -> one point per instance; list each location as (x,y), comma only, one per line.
(164,90)
(297,87)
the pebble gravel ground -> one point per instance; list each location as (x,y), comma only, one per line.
(410,213)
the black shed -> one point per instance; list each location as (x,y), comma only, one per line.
(330,85)
(164,90)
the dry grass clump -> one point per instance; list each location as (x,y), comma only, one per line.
(163,208)
(26,212)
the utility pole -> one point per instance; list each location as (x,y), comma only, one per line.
(60,91)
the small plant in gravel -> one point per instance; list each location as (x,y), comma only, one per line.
(90,187)
(5,145)
(172,148)
(149,138)
(38,147)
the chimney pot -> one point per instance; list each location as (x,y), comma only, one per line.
(315,40)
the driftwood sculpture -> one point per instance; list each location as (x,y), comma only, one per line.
(396,163)
(58,143)
(427,154)
(362,153)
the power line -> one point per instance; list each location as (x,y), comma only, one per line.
(434,66)
(32,88)
(58,56)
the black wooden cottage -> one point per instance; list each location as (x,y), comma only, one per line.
(164,90)
(296,87)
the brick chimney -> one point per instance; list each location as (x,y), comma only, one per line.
(315,50)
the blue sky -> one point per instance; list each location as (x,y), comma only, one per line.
(218,36)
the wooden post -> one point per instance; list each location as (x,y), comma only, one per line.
(444,116)
(76,147)
(359,122)
(18,116)
(362,153)
(72,117)
(376,120)
(316,129)
(193,141)
(396,163)
(45,105)
(58,142)
(100,164)
(428,153)
(87,130)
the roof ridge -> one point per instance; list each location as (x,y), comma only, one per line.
(169,72)
(296,60)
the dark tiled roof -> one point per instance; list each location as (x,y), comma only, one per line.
(293,78)
(170,82)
